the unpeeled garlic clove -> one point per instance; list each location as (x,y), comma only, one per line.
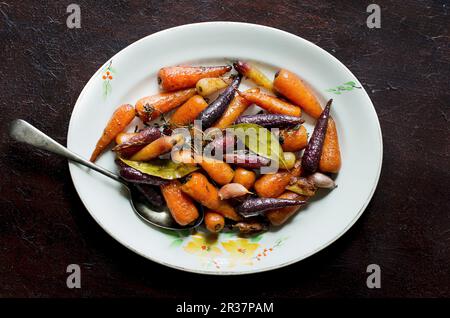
(232,190)
(321,180)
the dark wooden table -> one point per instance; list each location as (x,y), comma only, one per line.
(404,65)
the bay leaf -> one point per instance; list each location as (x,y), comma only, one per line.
(259,140)
(165,169)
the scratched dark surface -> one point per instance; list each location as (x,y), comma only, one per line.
(405,67)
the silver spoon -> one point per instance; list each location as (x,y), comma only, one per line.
(24,132)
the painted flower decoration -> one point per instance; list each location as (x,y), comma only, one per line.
(107,77)
(241,250)
(202,245)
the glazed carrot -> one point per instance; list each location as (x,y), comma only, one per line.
(219,171)
(294,139)
(253,73)
(216,108)
(122,116)
(289,160)
(279,216)
(214,222)
(136,141)
(124,137)
(237,106)
(158,147)
(179,77)
(245,177)
(201,190)
(209,85)
(293,88)
(273,185)
(150,107)
(313,151)
(184,156)
(330,160)
(271,103)
(181,207)
(188,111)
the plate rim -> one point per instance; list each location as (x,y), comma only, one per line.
(72,165)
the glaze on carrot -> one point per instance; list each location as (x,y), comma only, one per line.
(237,106)
(187,112)
(214,110)
(330,160)
(180,205)
(313,151)
(180,77)
(272,104)
(219,171)
(201,190)
(253,73)
(209,85)
(294,139)
(293,88)
(151,107)
(245,177)
(279,216)
(273,185)
(158,147)
(136,141)
(214,221)
(121,118)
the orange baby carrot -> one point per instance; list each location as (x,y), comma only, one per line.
(293,88)
(122,116)
(201,190)
(158,147)
(221,172)
(294,139)
(245,177)
(237,106)
(330,159)
(271,103)
(150,107)
(179,77)
(214,222)
(180,205)
(187,113)
(279,216)
(273,185)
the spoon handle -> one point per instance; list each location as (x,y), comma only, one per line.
(24,132)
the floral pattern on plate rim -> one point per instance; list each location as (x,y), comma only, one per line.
(107,76)
(224,249)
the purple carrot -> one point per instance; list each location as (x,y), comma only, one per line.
(246,160)
(152,194)
(226,142)
(256,206)
(137,142)
(213,112)
(270,120)
(135,176)
(313,151)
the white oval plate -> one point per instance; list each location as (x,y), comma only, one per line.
(133,72)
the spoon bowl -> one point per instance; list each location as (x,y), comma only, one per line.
(22,131)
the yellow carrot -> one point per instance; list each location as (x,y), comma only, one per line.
(158,147)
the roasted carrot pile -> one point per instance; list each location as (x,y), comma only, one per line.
(241,157)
